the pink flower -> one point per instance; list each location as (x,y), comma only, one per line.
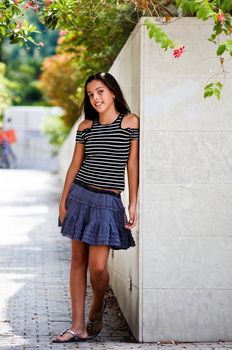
(62,32)
(26,6)
(31,3)
(178,52)
(41,44)
(16,2)
(221,17)
(36,8)
(20,24)
(48,2)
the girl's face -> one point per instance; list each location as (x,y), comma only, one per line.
(100,96)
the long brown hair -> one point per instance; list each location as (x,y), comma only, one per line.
(120,103)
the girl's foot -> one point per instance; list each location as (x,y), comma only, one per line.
(94,325)
(70,335)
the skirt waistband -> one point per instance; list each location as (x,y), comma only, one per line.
(88,187)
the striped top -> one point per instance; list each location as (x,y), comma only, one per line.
(107,148)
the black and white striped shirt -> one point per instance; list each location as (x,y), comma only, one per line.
(107,147)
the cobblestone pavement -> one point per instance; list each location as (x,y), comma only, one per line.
(34,273)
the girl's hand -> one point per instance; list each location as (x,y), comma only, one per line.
(62,213)
(132,217)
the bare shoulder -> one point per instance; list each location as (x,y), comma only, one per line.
(85,124)
(131,121)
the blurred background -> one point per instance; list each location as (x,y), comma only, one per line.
(41,86)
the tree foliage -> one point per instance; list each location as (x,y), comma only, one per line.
(94,38)
(93,21)
(160,37)
(6,89)
(12,24)
(92,49)
(23,63)
(59,82)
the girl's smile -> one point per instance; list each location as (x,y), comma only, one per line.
(98,104)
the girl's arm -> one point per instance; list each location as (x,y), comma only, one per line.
(74,166)
(133,174)
(77,159)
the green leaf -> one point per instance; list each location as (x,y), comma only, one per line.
(217,93)
(221,49)
(225,46)
(209,86)
(208,93)
(213,89)
(156,32)
(219,85)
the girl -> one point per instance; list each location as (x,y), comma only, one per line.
(91,211)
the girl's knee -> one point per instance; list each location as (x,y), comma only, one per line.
(78,262)
(97,272)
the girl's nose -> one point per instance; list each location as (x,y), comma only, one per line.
(96,98)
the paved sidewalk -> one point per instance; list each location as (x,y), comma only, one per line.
(34,273)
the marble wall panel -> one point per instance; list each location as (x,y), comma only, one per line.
(187,210)
(187,315)
(178,104)
(187,262)
(187,157)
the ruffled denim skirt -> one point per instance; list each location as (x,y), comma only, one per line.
(96,217)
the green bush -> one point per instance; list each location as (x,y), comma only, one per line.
(56,130)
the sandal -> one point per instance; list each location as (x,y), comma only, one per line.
(91,324)
(74,338)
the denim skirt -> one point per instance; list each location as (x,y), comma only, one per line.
(96,217)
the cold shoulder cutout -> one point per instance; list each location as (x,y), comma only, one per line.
(83,127)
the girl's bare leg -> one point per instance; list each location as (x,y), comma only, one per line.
(78,277)
(99,278)
(78,280)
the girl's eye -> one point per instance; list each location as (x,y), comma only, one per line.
(100,91)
